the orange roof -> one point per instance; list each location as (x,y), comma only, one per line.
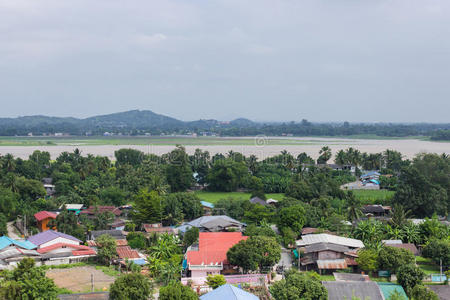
(213,247)
(42,215)
(92,210)
(127,252)
(78,249)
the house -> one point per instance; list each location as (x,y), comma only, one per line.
(125,252)
(118,224)
(213,224)
(119,243)
(13,251)
(92,211)
(210,256)
(60,250)
(117,234)
(257,200)
(309,230)
(338,290)
(327,252)
(271,201)
(158,228)
(370,175)
(228,292)
(48,186)
(50,237)
(207,208)
(376,210)
(42,218)
(75,208)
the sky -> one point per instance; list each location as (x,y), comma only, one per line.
(346,60)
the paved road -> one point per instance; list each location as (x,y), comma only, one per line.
(11,231)
(286,258)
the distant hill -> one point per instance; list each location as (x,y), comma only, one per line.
(139,122)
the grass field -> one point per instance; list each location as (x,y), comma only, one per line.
(366,196)
(213,197)
(374,196)
(427,265)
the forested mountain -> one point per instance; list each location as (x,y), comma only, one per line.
(137,122)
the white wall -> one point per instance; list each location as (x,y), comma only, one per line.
(59,240)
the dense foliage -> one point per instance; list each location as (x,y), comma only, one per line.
(297,286)
(133,286)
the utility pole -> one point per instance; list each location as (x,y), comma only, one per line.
(92,282)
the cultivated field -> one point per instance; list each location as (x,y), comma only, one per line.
(260,146)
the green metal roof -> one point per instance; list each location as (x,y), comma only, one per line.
(388,288)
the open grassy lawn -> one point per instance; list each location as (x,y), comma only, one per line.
(427,265)
(213,197)
(374,196)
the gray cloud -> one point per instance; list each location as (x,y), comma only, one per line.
(329,60)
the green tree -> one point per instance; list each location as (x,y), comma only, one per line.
(137,240)
(292,217)
(353,207)
(420,292)
(179,170)
(214,281)
(391,259)
(133,286)
(3,225)
(408,276)
(190,236)
(113,195)
(226,175)
(147,207)
(255,253)
(325,155)
(367,260)
(27,282)
(129,156)
(298,286)
(438,250)
(177,291)
(106,248)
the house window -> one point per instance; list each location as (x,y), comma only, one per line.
(209,273)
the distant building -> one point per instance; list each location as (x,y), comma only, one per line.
(207,208)
(92,211)
(213,224)
(257,200)
(49,186)
(376,210)
(75,208)
(158,228)
(117,234)
(50,237)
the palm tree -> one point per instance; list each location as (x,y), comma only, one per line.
(325,155)
(353,207)
(9,162)
(399,215)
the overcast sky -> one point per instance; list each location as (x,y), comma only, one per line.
(335,60)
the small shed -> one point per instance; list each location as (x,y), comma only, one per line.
(43,218)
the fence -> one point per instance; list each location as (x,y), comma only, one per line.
(252,279)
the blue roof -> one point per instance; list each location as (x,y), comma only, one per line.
(140,261)
(228,292)
(7,241)
(207,204)
(371,173)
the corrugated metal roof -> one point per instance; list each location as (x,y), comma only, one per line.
(326,246)
(207,204)
(328,238)
(388,288)
(6,241)
(391,242)
(228,292)
(44,215)
(332,264)
(338,290)
(72,206)
(410,247)
(127,252)
(350,277)
(49,235)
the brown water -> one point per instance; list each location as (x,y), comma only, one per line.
(262,147)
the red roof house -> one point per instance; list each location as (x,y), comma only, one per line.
(211,255)
(42,218)
(125,252)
